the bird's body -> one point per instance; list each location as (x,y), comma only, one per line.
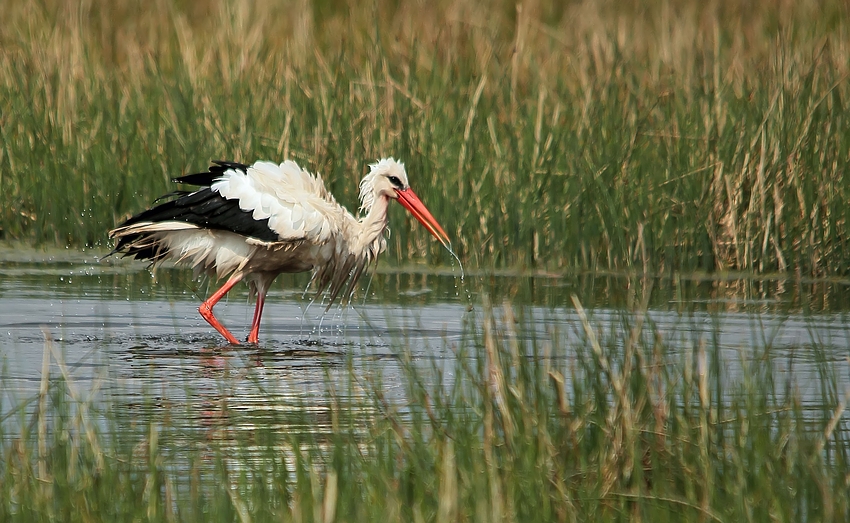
(255,222)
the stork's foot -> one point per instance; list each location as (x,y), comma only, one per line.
(206,311)
(254,336)
(206,308)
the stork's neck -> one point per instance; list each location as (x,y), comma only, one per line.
(372,226)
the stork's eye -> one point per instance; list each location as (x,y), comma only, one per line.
(395,181)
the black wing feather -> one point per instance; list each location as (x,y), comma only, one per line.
(216,171)
(204,208)
(209,209)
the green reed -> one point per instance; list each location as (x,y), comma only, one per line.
(670,136)
(614,426)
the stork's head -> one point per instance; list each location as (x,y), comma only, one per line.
(388,179)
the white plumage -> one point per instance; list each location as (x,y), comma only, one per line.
(257,221)
(293,200)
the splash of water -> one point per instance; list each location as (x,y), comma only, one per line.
(462,278)
(305,310)
(316,330)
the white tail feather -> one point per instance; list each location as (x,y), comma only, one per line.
(188,244)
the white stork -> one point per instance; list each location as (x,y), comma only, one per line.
(255,222)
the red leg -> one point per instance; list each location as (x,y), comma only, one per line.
(206,308)
(254,337)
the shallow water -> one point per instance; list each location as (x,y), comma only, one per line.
(127,336)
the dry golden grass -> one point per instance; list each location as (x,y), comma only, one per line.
(671,136)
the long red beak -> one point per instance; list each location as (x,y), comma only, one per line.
(408,199)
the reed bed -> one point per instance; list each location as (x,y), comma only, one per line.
(670,136)
(614,428)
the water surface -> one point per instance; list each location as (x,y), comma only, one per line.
(127,335)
